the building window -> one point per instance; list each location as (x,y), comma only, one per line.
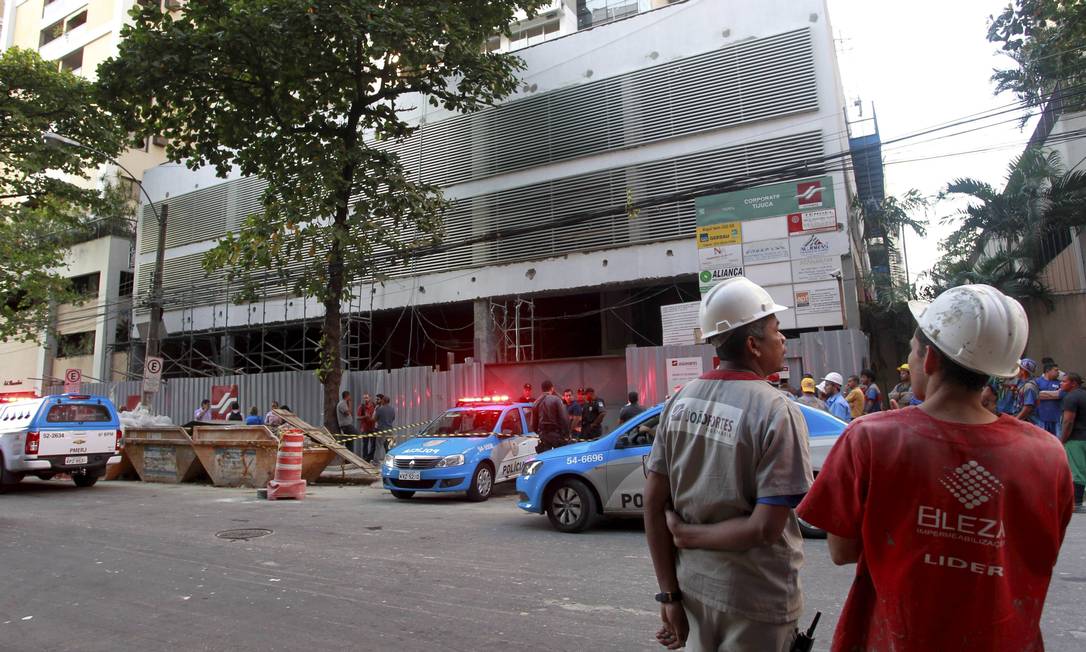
(86,285)
(75,21)
(592,13)
(127,279)
(51,33)
(62,27)
(523,38)
(70,345)
(73,62)
(494,43)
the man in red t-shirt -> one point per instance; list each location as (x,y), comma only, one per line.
(954,516)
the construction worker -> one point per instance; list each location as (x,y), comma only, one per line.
(807,386)
(954,515)
(729,462)
(902,393)
(835,403)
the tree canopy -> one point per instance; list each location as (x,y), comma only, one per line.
(302,93)
(44,197)
(1046,39)
(1002,235)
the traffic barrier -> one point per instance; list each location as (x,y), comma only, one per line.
(162,454)
(288,482)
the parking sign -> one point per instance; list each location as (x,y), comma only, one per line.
(73,381)
(152,374)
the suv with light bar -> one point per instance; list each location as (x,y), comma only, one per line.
(482,441)
(77,434)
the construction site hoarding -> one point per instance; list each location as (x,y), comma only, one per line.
(787,237)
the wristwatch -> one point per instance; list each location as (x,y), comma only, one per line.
(667,597)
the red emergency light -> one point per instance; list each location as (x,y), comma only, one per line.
(12,397)
(482,400)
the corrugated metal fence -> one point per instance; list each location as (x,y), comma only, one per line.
(418,393)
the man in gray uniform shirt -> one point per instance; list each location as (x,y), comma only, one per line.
(729,463)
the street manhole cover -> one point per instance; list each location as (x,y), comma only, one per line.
(243,534)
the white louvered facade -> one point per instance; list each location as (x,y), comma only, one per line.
(687,96)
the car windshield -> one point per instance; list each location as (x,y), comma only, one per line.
(458,422)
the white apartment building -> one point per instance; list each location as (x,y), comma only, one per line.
(78,35)
(619,100)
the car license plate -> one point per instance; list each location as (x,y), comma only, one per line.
(409,475)
(77,459)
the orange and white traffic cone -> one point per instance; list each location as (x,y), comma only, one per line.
(288,481)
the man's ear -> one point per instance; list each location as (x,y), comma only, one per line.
(931,360)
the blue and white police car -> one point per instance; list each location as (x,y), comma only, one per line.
(75,434)
(480,442)
(573,485)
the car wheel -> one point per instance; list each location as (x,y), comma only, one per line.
(85,479)
(809,531)
(571,507)
(402,495)
(482,483)
(7,478)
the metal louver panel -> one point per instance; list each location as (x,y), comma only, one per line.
(754,80)
(541,203)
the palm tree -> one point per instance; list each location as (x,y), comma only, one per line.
(1004,237)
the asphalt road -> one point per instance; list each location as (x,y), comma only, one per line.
(130,566)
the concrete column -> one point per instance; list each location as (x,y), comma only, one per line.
(486,341)
(226,351)
(614,334)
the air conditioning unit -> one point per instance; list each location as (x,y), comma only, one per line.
(159,140)
(173,4)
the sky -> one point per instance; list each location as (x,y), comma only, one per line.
(922,64)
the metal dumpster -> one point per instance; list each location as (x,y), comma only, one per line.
(162,454)
(122,471)
(314,460)
(236,456)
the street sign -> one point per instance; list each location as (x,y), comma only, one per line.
(73,381)
(152,374)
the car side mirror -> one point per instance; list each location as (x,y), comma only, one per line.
(623,442)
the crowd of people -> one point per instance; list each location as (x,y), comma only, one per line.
(953,512)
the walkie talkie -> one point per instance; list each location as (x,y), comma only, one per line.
(804,642)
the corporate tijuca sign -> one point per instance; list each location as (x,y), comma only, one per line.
(785,237)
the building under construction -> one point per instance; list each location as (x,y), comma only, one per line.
(635,108)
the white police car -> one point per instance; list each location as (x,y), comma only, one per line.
(470,448)
(575,484)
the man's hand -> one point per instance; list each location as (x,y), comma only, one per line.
(675,524)
(675,627)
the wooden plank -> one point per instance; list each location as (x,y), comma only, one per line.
(322,437)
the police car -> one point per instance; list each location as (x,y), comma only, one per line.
(75,434)
(575,484)
(480,442)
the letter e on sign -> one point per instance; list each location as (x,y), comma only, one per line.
(73,381)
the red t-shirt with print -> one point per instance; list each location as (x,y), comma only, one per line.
(960,527)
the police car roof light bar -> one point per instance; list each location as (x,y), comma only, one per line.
(483,399)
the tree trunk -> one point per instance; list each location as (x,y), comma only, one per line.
(331,358)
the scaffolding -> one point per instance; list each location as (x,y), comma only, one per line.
(515,324)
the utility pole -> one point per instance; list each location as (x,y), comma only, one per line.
(154,333)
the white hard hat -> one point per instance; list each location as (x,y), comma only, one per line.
(821,387)
(976,326)
(732,303)
(835,378)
